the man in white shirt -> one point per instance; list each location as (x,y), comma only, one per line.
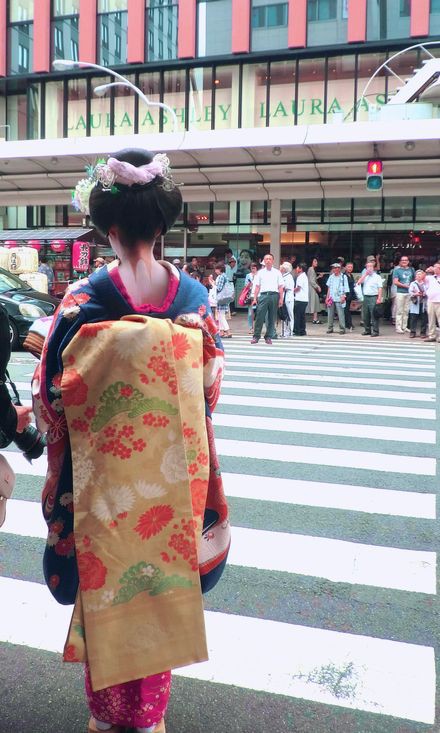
(268,287)
(301,293)
(372,288)
(432,283)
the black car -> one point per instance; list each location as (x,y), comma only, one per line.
(23,304)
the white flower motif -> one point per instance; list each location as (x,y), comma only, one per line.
(148,571)
(108,597)
(71,313)
(66,499)
(149,491)
(173,465)
(114,501)
(192,383)
(57,405)
(83,469)
(52,539)
(131,342)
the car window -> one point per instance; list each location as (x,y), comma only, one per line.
(10,282)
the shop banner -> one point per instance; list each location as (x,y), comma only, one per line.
(81,256)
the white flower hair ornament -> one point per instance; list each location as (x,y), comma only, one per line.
(113,171)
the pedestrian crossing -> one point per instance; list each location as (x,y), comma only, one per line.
(329,602)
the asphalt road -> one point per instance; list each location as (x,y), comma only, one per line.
(327,617)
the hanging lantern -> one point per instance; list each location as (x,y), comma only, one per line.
(10,243)
(35,244)
(58,245)
(81,256)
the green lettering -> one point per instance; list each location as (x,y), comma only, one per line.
(335,107)
(262,110)
(294,107)
(125,120)
(316,106)
(225,111)
(208,114)
(147,118)
(381,99)
(107,120)
(92,121)
(280,110)
(81,123)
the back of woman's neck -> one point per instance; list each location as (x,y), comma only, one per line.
(146,280)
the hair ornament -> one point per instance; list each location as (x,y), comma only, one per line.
(108,173)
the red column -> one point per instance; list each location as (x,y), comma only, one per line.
(3,36)
(241,26)
(42,35)
(357,21)
(297,29)
(87,30)
(420,17)
(186,32)
(136,31)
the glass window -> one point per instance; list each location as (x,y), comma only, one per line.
(100,122)
(434,18)
(17,117)
(149,117)
(76,108)
(321,10)
(226,86)
(405,8)
(200,99)
(376,94)
(337,210)
(162,30)
(398,208)
(340,88)
(20,10)
(387,19)
(282,93)
(368,209)
(310,103)
(124,108)
(65,37)
(54,109)
(110,6)
(65,7)
(20,48)
(112,38)
(435,6)
(269,25)
(214,27)
(308,210)
(174,97)
(254,95)
(427,208)
(327,22)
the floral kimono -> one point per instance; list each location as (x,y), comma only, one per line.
(95,413)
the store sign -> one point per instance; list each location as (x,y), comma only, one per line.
(283,110)
(81,256)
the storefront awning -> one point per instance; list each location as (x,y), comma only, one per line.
(70,233)
(309,161)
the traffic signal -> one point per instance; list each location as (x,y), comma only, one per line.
(374,175)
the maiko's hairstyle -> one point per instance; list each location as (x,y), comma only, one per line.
(140,211)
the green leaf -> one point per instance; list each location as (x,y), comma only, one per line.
(151,404)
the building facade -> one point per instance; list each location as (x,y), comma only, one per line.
(262,66)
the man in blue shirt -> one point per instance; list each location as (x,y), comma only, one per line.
(337,289)
(403,275)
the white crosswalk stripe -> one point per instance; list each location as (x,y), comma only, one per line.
(274,460)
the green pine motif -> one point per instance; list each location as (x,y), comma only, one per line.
(146,577)
(114,403)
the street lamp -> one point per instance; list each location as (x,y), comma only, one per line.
(62,64)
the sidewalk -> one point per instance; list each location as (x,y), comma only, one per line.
(239,327)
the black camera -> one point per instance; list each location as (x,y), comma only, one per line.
(31,442)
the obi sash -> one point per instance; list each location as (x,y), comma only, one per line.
(132,392)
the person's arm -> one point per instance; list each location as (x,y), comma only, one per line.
(256,288)
(379,296)
(281,295)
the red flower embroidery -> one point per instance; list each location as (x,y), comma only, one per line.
(154,520)
(126,391)
(144,378)
(199,489)
(180,345)
(81,425)
(193,468)
(70,654)
(54,581)
(139,445)
(65,546)
(92,571)
(202,459)
(126,431)
(90,330)
(56,527)
(74,388)
(90,413)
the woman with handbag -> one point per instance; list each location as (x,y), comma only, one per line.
(418,308)
(314,305)
(248,282)
(223,300)
(129,376)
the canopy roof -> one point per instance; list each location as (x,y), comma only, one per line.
(17,235)
(286,162)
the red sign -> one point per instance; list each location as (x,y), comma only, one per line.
(375,167)
(81,256)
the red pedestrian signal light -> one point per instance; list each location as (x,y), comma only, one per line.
(374,175)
